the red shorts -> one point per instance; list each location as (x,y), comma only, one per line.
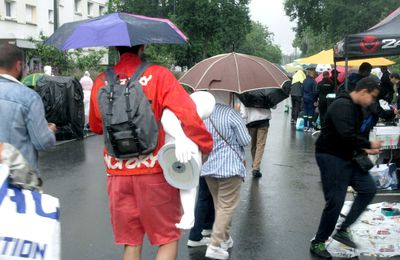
(143,204)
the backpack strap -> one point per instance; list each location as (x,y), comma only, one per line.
(111,80)
(135,78)
(139,71)
(110,75)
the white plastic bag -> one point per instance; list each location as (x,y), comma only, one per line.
(384,176)
(29,223)
(299,124)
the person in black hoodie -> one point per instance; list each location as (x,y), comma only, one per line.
(325,87)
(363,71)
(336,146)
(395,79)
(386,91)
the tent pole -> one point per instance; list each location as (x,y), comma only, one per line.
(335,76)
(346,64)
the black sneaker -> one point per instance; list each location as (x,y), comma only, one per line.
(256,174)
(319,249)
(344,237)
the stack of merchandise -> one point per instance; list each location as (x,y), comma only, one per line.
(376,232)
(389,135)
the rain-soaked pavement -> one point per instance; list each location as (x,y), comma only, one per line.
(277,216)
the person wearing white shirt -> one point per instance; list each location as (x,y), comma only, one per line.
(257,120)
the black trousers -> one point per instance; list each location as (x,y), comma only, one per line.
(323,108)
(336,175)
(296,106)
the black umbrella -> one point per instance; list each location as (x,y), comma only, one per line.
(265,98)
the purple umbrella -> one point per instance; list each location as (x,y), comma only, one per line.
(117,29)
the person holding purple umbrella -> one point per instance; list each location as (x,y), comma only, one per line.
(141,201)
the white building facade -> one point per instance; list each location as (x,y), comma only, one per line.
(25,19)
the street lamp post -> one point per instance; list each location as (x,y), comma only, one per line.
(55,2)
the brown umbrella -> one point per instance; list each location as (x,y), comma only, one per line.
(234,72)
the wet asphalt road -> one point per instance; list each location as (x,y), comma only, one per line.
(277,216)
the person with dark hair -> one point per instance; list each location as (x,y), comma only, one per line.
(336,146)
(309,99)
(325,87)
(141,201)
(296,94)
(395,79)
(363,71)
(386,92)
(23,122)
(335,78)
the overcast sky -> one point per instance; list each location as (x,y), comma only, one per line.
(271,14)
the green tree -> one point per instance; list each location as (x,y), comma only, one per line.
(235,24)
(259,42)
(213,27)
(88,60)
(66,63)
(325,22)
(154,8)
(61,62)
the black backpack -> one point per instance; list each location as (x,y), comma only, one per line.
(128,121)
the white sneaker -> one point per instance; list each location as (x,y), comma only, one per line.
(206,232)
(216,252)
(203,242)
(227,243)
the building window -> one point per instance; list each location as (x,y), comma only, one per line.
(30,14)
(90,9)
(101,10)
(51,16)
(78,8)
(10,9)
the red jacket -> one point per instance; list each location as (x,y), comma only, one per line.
(164,91)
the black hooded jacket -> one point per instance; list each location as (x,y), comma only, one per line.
(340,135)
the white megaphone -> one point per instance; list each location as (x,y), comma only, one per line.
(180,157)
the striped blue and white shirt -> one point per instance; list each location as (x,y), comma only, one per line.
(223,162)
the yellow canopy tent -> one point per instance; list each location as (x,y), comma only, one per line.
(326,57)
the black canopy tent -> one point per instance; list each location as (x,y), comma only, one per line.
(383,39)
